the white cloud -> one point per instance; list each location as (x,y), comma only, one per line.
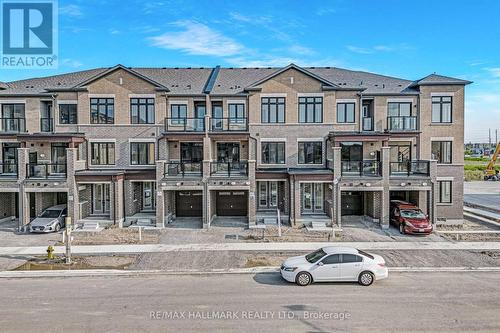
(378,48)
(71,63)
(197,39)
(113,31)
(325,11)
(71,11)
(360,50)
(301,50)
(494,71)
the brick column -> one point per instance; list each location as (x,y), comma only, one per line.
(434,191)
(252,195)
(336,193)
(159,195)
(385,202)
(73,193)
(24,204)
(118,199)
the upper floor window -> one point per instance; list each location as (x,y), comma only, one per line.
(345,113)
(399,109)
(310,109)
(237,113)
(68,114)
(102,111)
(273,153)
(142,110)
(273,109)
(13,118)
(441,109)
(102,153)
(441,151)
(310,152)
(178,113)
(444,191)
(142,153)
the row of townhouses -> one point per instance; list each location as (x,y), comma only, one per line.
(184,144)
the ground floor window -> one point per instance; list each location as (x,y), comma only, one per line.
(444,191)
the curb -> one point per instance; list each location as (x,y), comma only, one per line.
(253,270)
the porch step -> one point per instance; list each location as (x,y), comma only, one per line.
(318,226)
(271,221)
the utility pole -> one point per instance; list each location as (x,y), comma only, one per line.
(489,137)
(67,230)
(496,136)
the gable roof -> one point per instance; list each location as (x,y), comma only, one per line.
(255,85)
(115,68)
(435,79)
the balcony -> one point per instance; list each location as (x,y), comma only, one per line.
(183,169)
(409,168)
(401,123)
(13,125)
(47,125)
(8,169)
(228,125)
(184,125)
(45,170)
(361,168)
(367,124)
(229,169)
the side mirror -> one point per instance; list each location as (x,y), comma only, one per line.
(320,263)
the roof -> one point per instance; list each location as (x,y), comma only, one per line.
(227,81)
(435,79)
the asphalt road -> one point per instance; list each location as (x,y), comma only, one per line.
(257,303)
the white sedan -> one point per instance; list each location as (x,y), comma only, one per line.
(335,264)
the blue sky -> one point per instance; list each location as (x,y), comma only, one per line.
(401,38)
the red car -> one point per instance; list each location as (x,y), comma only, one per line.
(409,218)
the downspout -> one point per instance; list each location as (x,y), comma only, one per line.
(114,199)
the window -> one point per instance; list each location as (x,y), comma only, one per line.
(347,258)
(332,259)
(102,111)
(13,118)
(142,153)
(345,112)
(310,109)
(268,194)
(273,153)
(273,110)
(441,151)
(441,109)
(102,153)
(142,110)
(402,109)
(444,194)
(310,152)
(178,113)
(237,113)
(68,114)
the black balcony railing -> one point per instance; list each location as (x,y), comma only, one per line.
(184,124)
(15,125)
(362,168)
(183,169)
(8,169)
(408,168)
(229,169)
(228,125)
(46,124)
(402,123)
(46,170)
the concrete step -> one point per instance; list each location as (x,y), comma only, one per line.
(271,221)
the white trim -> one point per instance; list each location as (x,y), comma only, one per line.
(443,138)
(310,140)
(315,181)
(270,180)
(274,95)
(346,100)
(236,101)
(12,101)
(101,95)
(445,178)
(142,140)
(175,102)
(442,94)
(103,140)
(400,100)
(67,101)
(272,139)
(310,94)
(141,95)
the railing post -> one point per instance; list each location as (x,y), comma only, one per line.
(408,168)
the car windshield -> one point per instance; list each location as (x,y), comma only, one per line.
(315,256)
(50,213)
(412,214)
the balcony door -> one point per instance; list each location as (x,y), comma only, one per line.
(9,157)
(191,152)
(58,151)
(100,199)
(228,152)
(13,118)
(367,113)
(200,110)
(217,116)
(46,117)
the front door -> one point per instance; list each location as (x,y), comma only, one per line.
(328,269)
(32,205)
(148,189)
(101,199)
(9,157)
(312,198)
(268,195)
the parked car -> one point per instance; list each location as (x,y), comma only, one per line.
(335,264)
(409,218)
(52,219)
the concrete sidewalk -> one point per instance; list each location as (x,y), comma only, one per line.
(278,246)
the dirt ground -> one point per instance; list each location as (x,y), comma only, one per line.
(78,262)
(116,236)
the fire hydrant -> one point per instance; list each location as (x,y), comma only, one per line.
(50,252)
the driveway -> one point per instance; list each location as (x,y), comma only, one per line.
(9,236)
(483,193)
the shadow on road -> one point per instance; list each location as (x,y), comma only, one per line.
(273,279)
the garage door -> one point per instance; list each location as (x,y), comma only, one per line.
(232,203)
(188,203)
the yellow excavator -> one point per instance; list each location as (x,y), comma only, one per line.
(490,173)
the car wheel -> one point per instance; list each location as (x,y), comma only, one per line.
(402,229)
(366,278)
(303,279)
(57,227)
